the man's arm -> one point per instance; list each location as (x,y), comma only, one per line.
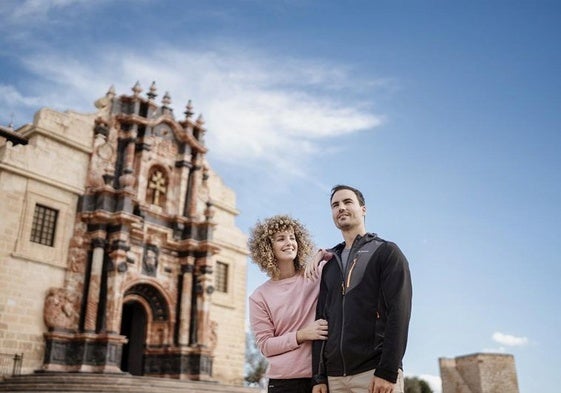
(397,295)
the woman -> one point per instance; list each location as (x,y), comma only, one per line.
(282,310)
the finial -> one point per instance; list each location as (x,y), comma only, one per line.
(200,120)
(152,93)
(166,100)
(137,89)
(11,124)
(104,103)
(189,110)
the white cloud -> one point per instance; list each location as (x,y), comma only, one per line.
(16,107)
(509,340)
(257,108)
(435,382)
(35,10)
(10,96)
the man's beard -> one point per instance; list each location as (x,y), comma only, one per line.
(343,226)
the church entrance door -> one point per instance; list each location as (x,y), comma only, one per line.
(133,326)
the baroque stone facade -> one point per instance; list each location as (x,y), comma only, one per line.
(479,373)
(118,245)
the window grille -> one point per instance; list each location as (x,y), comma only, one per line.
(44,225)
(221,277)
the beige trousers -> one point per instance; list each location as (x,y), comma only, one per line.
(359,383)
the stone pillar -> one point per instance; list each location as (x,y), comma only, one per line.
(98,244)
(184,167)
(119,246)
(192,186)
(127,179)
(204,290)
(185,304)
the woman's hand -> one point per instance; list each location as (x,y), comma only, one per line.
(317,330)
(312,267)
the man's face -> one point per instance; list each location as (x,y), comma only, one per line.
(346,211)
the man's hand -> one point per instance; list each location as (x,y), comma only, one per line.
(317,330)
(380,385)
(312,267)
(321,388)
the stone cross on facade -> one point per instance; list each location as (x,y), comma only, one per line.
(158,184)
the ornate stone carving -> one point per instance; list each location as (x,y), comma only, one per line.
(150,261)
(158,185)
(60,309)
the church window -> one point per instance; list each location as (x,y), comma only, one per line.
(127,107)
(44,225)
(221,277)
(143,111)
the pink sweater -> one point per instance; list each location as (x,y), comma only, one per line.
(277,309)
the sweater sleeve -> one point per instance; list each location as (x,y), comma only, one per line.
(264,330)
(397,294)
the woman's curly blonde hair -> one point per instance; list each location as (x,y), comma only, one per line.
(261,246)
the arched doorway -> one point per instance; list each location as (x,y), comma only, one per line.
(133,326)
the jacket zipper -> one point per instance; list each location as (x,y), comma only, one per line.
(344,287)
(350,274)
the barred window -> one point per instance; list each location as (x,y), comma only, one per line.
(44,225)
(221,277)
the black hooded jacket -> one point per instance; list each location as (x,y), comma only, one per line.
(367,307)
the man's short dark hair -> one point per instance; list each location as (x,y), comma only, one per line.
(358,194)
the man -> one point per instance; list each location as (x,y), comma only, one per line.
(365,295)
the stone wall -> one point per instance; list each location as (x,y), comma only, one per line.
(50,171)
(227,307)
(479,373)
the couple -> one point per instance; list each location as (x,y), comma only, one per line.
(345,332)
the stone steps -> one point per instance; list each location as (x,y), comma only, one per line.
(90,383)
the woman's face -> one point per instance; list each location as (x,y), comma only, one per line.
(285,246)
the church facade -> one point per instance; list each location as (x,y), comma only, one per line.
(119,250)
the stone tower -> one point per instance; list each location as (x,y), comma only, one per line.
(118,246)
(479,373)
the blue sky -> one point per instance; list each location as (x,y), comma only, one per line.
(446,114)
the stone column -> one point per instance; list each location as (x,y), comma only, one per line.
(98,244)
(192,188)
(183,169)
(204,290)
(119,247)
(184,319)
(126,181)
